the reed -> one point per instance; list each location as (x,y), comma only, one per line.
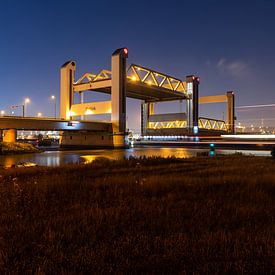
(150,215)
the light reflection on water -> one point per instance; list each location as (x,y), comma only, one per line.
(56,158)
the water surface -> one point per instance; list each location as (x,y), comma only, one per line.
(56,158)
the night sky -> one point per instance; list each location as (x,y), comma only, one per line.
(228,44)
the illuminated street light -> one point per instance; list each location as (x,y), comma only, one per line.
(53,97)
(26,101)
(2,112)
(39,114)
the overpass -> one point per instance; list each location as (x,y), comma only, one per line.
(136,82)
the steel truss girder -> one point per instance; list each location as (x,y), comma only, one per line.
(204,123)
(135,74)
(212,124)
(167,124)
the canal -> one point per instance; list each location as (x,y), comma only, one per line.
(57,158)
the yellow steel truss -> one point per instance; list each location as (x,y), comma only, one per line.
(141,74)
(204,123)
(212,124)
(88,77)
(151,77)
(167,124)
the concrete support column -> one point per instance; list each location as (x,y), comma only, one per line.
(192,107)
(82,101)
(231,111)
(67,73)
(147,109)
(9,135)
(118,96)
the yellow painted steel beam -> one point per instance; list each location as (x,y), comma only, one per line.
(212,99)
(92,108)
(92,85)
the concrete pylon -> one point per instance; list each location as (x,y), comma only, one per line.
(192,102)
(118,97)
(9,135)
(231,111)
(147,109)
(67,73)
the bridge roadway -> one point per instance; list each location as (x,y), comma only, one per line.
(134,89)
(48,124)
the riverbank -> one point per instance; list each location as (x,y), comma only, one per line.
(8,148)
(197,215)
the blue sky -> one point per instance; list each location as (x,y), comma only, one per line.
(228,44)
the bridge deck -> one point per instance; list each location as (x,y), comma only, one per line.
(31,123)
(137,90)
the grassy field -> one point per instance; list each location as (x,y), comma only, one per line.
(162,216)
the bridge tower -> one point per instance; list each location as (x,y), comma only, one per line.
(118,96)
(192,103)
(231,111)
(66,89)
(117,105)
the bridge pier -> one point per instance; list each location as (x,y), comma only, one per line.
(86,139)
(9,135)
(147,109)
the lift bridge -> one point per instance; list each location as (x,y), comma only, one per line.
(136,82)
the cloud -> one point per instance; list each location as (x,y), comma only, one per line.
(235,68)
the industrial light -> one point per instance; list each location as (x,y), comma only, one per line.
(134,78)
(149,82)
(39,114)
(125,50)
(88,111)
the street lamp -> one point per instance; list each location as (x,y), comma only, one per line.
(26,101)
(2,112)
(39,114)
(54,101)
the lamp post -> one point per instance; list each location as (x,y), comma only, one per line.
(26,101)
(54,101)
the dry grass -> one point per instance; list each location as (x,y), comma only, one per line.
(199,215)
(17,148)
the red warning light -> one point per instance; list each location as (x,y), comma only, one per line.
(125,50)
(198,79)
(193,77)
